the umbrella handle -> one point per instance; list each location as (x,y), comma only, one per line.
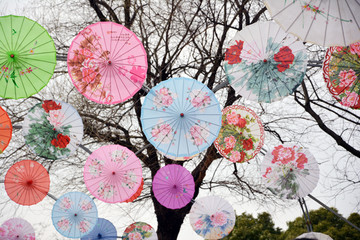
(52,196)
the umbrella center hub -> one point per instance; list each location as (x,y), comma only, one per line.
(113,173)
(29,182)
(265,60)
(109,62)
(75,214)
(12,55)
(182,115)
(99,236)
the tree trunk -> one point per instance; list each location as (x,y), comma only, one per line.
(169,220)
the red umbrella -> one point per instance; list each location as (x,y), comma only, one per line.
(27,182)
(5,129)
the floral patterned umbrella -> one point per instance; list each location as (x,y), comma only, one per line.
(103,229)
(326,23)
(74,215)
(27,57)
(17,229)
(241,135)
(137,193)
(113,173)
(53,129)
(314,235)
(173,186)
(5,129)
(212,217)
(27,182)
(107,63)
(265,64)
(139,231)
(290,171)
(341,71)
(181,117)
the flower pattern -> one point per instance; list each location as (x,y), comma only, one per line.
(162,132)
(66,203)
(106,190)
(268,71)
(340,71)
(198,133)
(232,54)
(139,231)
(46,130)
(95,167)
(86,63)
(288,163)
(119,156)
(199,99)
(129,179)
(164,98)
(64,224)
(217,224)
(241,135)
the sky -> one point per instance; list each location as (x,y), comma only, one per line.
(41,212)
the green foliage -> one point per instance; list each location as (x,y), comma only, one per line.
(249,228)
(325,222)
(263,228)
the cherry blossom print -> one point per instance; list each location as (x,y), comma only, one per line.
(218,219)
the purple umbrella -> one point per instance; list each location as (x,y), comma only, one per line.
(173,186)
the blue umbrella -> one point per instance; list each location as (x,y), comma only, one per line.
(181,117)
(74,215)
(103,229)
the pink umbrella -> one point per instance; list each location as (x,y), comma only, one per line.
(107,63)
(17,229)
(173,186)
(113,173)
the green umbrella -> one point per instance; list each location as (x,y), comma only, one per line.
(27,57)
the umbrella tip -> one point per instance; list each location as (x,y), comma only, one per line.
(99,236)
(265,60)
(75,214)
(12,55)
(109,62)
(29,182)
(182,115)
(113,173)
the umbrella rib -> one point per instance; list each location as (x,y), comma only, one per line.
(188,104)
(130,57)
(128,50)
(7,43)
(121,47)
(27,44)
(130,80)
(26,52)
(341,24)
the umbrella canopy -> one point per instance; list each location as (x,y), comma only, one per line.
(5,129)
(103,229)
(173,186)
(53,129)
(137,193)
(139,231)
(265,64)
(27,57)
(314,235)
(181,117)
(107,63)
(241,135)
(212,217)
(290,171)
(113,173)
(16,229)
(74,215)
(27,182)
(341,71)
(326,23)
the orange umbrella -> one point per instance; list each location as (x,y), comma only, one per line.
(5,129)
(27,182)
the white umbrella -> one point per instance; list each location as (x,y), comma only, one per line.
(326,23)
(212,217)
(314,235)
